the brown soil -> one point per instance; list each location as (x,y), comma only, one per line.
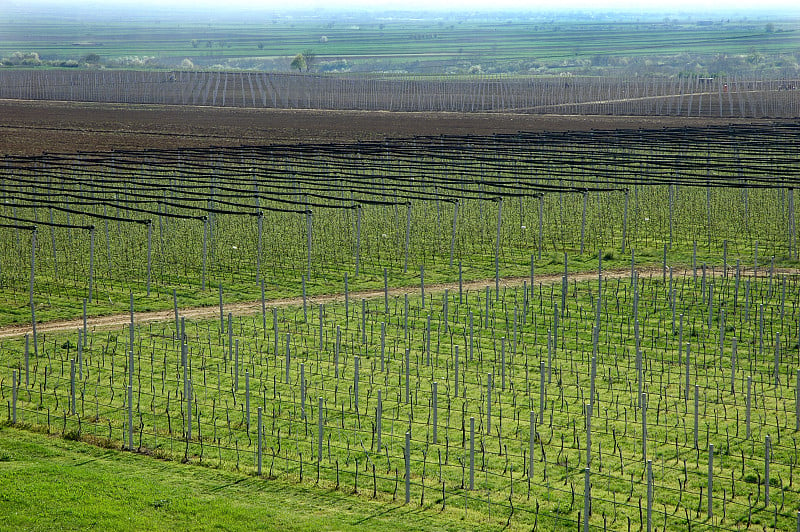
(36,127)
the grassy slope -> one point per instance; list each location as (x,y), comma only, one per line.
(55,483)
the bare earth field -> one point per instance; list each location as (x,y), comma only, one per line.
(36,127)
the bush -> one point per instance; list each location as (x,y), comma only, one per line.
(72,435)
(22,58)
(134,61)
(91,59)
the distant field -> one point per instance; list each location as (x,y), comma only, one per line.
(448,44)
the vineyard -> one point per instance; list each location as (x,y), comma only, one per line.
(760,96)
(555,330)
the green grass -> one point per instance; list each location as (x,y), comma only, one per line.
(221,437)
(55,483)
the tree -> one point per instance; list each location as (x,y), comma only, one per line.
(769,28)
(91,59)
(309,55)
(754,57)
(299,62)
(303,60)
(22,58)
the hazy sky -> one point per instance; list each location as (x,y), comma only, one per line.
(452,5)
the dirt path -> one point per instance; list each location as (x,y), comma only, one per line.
(554,108)
(254,307)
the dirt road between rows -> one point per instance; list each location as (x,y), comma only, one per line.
(254,307)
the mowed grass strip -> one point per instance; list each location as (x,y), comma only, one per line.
(53,483)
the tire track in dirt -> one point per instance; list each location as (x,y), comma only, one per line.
(253,307)
(247,308)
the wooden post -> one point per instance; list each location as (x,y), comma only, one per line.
(260,441)
(587,499)
(471,453)
(710,481)
(649,495)
(408,466)
(532,443)
(320,428)
(434,408)
(14,396)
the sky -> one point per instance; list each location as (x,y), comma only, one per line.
(451,5)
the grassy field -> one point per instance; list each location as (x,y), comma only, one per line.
(55,485)
(721,349)
(520,43)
